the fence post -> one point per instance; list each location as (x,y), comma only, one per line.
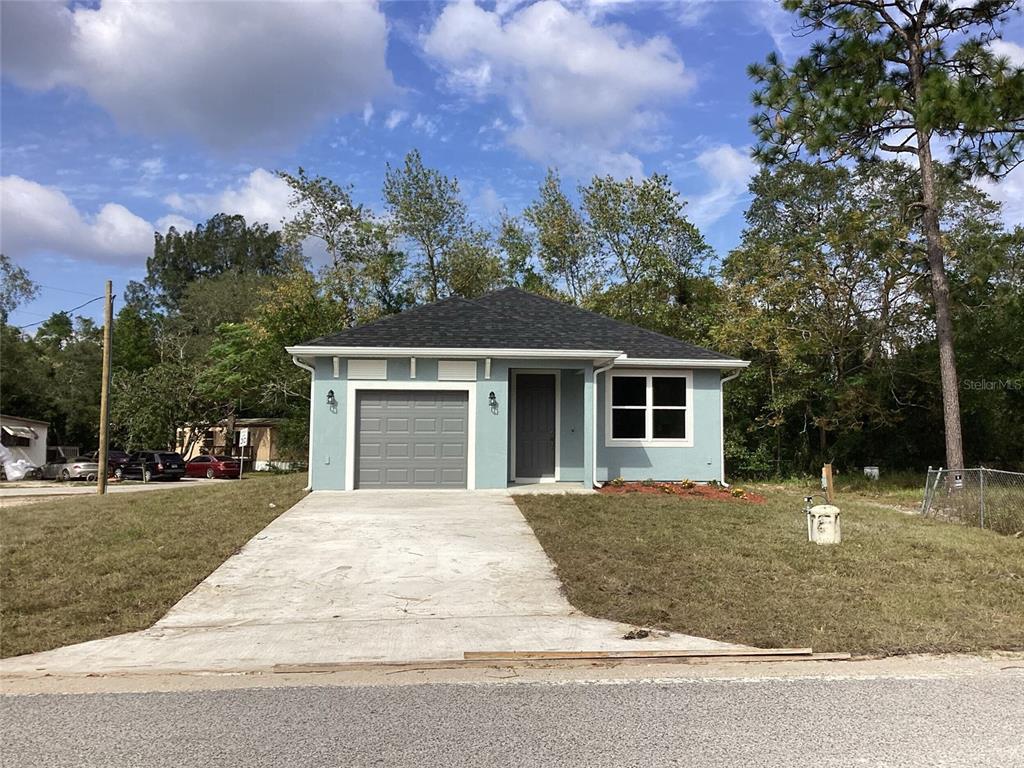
(981,472)
(927,483)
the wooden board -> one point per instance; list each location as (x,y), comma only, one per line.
(637,654)
(416,666)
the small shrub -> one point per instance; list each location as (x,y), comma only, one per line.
(737,493)
(648,483)
(616,482)
(666,488)
(714,484)
(688,483)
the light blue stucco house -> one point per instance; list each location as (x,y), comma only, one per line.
(506,389)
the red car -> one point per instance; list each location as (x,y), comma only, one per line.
(212,466)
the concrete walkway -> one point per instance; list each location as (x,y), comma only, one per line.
(371,576)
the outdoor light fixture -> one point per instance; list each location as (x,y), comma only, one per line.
(330,398)
(492,400)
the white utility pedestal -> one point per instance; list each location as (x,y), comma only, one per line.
(823,524)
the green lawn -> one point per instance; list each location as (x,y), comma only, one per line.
(745,573)
(84,567)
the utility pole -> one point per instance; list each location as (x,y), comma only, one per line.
(108,321)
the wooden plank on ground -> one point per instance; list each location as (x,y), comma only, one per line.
(637,654)
(411,666)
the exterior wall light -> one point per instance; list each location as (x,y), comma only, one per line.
(492,400)
(331,401)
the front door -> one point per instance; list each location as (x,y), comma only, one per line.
(535,426)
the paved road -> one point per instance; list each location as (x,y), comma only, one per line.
(972,721)
(45,489)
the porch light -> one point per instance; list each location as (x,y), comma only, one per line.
(492,400)
(331,401)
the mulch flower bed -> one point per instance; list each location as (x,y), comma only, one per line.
(716,493)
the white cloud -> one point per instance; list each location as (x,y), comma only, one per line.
(581,92)
(36,219)
(228,73)
(154,166)
(1012,51)
(395,118)
(367,113)
(424,124)
(781,25)
(180,223)
(261,197)
(1010,192)
(729,169)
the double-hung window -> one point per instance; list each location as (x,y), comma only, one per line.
(650,408)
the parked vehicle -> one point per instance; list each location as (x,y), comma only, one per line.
(212,466)
(115,459)
(63,468)
(152,465)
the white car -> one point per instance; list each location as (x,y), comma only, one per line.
(63,468)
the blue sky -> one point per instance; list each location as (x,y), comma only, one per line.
(122,119)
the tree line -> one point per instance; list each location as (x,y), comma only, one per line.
(823,295)
(854,276)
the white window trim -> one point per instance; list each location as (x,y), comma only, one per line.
(354,387)
(650,374)
(557,373)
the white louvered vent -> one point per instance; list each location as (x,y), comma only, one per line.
(456,370)
(367,369)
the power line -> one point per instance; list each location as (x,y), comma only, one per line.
(64,290)
(64,312)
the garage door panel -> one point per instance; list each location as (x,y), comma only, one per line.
(396,450)
(425,451)
(453,426)
(413,439)
(372,449)
(371,426)
(453,451)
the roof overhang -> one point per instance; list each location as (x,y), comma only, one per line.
(450,352)
(16,431)
(644,362)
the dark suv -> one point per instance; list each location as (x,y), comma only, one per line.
(152,465)
(116,459)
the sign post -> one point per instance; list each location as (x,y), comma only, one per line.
(243,441)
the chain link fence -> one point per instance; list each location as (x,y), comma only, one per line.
(986,498)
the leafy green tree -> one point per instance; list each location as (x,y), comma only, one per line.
(148,408)
(565,248)
(427,210)
(471,268)
(223,245)
(643,240)
(16,287)
(823,296)
(366,273)
(25,388)
(895,77)
(516,244)
(323,210)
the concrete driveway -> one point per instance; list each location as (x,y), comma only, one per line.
(371,576)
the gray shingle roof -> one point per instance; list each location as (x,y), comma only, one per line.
(511,318)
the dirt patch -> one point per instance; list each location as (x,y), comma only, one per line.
(716,493)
